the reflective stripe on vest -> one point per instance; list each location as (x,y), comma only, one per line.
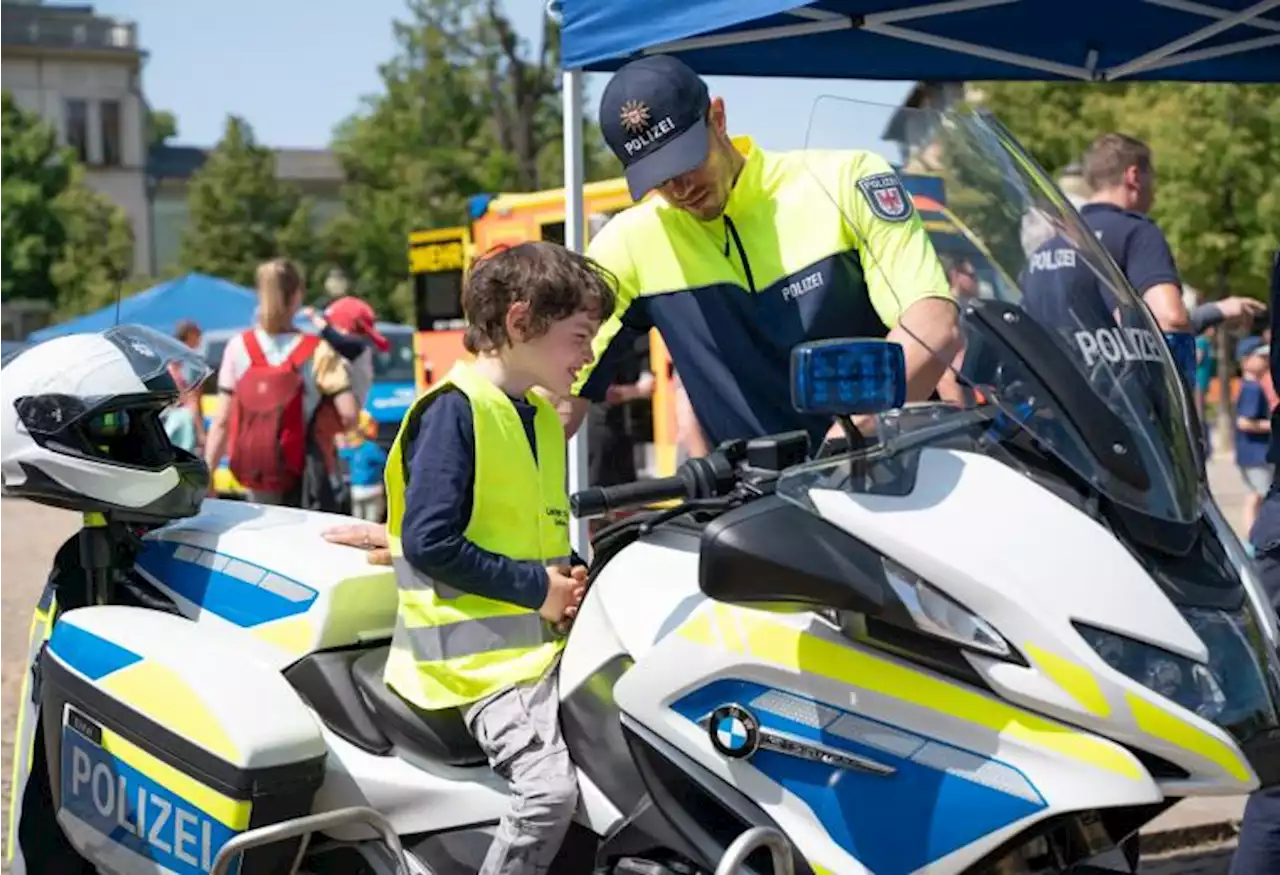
(450,647)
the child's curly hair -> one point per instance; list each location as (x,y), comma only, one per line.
(555,282)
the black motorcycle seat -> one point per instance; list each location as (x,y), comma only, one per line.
(438,735)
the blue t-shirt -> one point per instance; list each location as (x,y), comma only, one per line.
(1135,243)
(437,508)
(365,463)
(1061,293)
(1251,448)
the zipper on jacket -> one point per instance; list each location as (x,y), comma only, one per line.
(730,230)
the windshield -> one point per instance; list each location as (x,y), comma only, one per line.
(396,364)
(1054,338)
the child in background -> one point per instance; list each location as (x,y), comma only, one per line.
(1253,425)
(365,462)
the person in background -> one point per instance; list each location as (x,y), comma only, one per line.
(961,276)
(1119,170)
(185,420)
(1258,851)
(350,346)
(1206,370)
(1253,426)
(179,424)
(610,447)
(366,462)
(1269,384)
(278,358)
(348,327)
(355,319)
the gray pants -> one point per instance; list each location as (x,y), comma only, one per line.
(519,731)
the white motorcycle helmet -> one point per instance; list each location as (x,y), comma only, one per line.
(81,429)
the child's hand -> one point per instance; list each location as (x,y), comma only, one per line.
(564,594)
(579,574)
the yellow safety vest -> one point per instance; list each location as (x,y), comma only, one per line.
(452,648)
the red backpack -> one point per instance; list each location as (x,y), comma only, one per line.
(268,428)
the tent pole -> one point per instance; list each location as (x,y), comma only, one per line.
(571,86)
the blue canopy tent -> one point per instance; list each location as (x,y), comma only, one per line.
(1089,40)
(213,303)
(956,40)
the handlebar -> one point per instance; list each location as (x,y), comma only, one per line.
(709,477)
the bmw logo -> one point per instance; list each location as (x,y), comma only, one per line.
(734,731)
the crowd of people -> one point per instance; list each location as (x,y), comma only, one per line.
(288,416)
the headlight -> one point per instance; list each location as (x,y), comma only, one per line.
(935,614)
(1175,677)
(1235,690)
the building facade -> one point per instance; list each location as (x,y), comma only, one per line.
(316,173)
(82,73)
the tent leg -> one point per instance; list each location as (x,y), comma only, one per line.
(573,237)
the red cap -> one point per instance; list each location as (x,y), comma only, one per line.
(354,316)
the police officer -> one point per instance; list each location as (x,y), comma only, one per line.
(746,253)
(1120,171)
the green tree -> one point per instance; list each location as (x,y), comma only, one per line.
(35,172)
(64,243)
(98,253)
(162,126)
(1217,157)
(466,108)
(241,213)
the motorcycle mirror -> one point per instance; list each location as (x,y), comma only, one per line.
(848,376)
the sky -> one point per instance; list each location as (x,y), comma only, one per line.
(295,68)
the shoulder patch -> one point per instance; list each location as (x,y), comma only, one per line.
(887,197)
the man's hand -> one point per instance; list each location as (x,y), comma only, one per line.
(565,589)
(1239,312)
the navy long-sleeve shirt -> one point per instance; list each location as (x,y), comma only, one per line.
(441,474)
(346,345)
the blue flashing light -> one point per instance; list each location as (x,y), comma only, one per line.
(847,377)
(478,205)
(1182,345)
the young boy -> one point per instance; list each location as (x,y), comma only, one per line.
(366,466)
(478,527)
(1253,426)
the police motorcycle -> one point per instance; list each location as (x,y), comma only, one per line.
(995,634)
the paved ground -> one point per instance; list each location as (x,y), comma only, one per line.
(31,534)
(1205,861)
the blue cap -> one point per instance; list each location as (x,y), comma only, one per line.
(654,117)
(1248,346)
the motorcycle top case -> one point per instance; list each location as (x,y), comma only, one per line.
(165,740)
